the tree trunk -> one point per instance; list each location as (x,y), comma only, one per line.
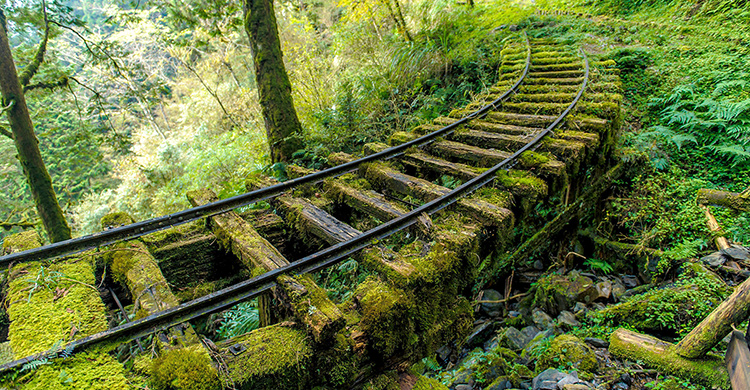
(274,89)
(27,146)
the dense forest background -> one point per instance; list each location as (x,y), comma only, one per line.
(147,100)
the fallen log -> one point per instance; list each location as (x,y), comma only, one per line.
(714,227)
(708,370)
(718,324)
(737,201)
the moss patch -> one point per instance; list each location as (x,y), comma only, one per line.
(274,357)
(569,352)
(91,370)
(184,369)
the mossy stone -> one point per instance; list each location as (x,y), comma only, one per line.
(568,351)
(113,220)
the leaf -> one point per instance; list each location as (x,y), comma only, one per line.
(59,293)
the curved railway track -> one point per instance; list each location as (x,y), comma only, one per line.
(541,84)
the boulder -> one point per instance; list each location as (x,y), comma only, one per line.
(489,303)
(542,320)
(554,293)
(568,320)
(597,292)
(568,351)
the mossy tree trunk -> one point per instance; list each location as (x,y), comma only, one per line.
(26,142)
(274,89)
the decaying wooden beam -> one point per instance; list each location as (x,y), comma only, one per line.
(713,226)
(737,360)
(738,201)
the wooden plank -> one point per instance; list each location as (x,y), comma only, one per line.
(737,360)
(311,221)
(369,202)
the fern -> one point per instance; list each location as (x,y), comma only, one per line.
(34,364)
(241,319)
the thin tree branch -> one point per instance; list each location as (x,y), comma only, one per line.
(6,108)
(6,133)
(30,70)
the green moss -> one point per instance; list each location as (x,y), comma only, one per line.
(709,371)
(531,159)
(401,137)
(675,308)
(18,242)
(385,317)
(340,364)
(113,220)
(554,292)
(6,353)
(184,369)
(425,383)
(91,370)
(276,357)
(388,381)
(569,352)
(312,306)
(48,302)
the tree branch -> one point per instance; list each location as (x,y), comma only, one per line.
(10,225)
(61,83)
(30,70)
(6,133)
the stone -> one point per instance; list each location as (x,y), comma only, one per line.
(569,379)
(493,307)
(480,333)
(580,308)
(513,339)
(463,387)
(513,27)
(714,260)
(530,332)
(596,292)
(538,265)
(463,376)
(547,380)
(537,340)
(626,378)
(554,292)
(736,252)
(618,289)
(541,319)
(598,306)
(568,320)
(577,386)
(443,354)
(596,343)
(630,281)
(491,344)
(499,384)
(620,386)
(568,351)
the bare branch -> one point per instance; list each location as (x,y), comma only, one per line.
(11,225)
(8,107)
(30,70)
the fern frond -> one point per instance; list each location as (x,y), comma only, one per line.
(34,364)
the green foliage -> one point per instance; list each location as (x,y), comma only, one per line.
(240,319)
(598,265)
(342,280)
(672,383)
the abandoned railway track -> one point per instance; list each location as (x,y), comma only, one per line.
(551,117)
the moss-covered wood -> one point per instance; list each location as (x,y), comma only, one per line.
(283,128)
(367,201)
(738,201)
(315,225)
(53,304)
(312,307)
(708,370)
(733,310)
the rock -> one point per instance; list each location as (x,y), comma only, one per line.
(538,339)
(736,252)
(542,320)
(499,384)
(538,265)
(513,27)
(568,320)
(547,380)
(620,386)
(493,307)
(462,377)
(491,344)
(569,379)
(625,378)
(598,306)
(530,332)
(599,291)
(618,289)
(714,260)
(568,351)
(554,293)
(463,387)
(480,333)
(443,354)
(513,339)
(630,281)
(576,386)
(580,308)
(596,343)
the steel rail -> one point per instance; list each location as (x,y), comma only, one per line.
(138,229)
(230,296)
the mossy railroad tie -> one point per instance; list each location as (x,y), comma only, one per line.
(50,304)
(308,301)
